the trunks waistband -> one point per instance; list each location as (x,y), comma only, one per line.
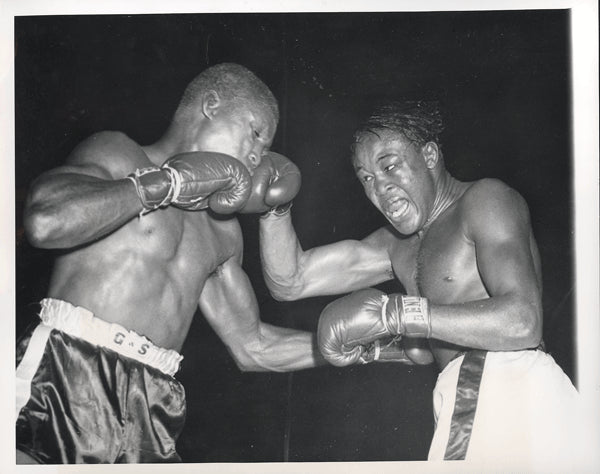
(540,347)
(79,322)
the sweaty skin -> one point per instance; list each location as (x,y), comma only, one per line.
(467,247)
(150,273)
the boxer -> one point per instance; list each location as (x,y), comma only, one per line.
(467,257)
(148,235)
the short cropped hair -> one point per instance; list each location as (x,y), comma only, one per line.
(419,122)
(234,83)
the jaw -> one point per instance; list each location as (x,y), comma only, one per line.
(403,214)
(396,209)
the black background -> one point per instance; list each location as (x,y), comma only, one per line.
(504,80)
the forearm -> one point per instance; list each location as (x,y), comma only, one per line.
(282,350)
(280,253)
(66,210)
(292,273)
(500,323)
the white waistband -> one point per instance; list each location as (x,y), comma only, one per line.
(81,323)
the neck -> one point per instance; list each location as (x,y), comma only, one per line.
(174,141)
(448,190)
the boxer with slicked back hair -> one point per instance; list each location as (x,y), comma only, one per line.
(467,258)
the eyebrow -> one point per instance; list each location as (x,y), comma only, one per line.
(379,158)
(383,157)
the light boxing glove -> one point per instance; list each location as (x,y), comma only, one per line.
(386,350)
(348,326)
(275,182)
(194,181)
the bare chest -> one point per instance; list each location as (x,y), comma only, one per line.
(441,264)
(173,241)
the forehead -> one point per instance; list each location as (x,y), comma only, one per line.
(260,117)
(370,146)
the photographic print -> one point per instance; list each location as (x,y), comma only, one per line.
(297,237)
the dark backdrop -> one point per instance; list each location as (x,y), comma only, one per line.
(503,78)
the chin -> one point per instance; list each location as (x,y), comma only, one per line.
(407,227)
(403,228)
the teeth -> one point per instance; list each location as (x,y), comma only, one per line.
(396,207)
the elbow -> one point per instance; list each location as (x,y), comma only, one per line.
(244,366)
(40,226)
(527,330)
(282,290)
(247,359)
(257,356)
(243,363)
(39,220)
(253,364)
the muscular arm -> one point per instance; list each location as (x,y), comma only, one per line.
(292,273)
(82,201)
(229,304)
(511,318)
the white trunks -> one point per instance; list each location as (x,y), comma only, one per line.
(506,409)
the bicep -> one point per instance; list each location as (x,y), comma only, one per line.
(501,230)
(345,266)
(98,160)
(228,303)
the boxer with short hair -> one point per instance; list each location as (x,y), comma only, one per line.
(466,255)
(148,235)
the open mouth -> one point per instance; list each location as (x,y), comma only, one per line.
(396,207)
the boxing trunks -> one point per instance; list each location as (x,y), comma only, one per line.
(93,392)
(506,410)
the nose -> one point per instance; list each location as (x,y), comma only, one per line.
(382,185)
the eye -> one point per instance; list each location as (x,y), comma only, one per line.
(390,167)
(366,178)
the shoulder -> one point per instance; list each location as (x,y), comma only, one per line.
(489,205)
(386,242)
(385,237)
(491,194)
(112,152)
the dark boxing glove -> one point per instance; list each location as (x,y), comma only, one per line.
(350,325)
(275,182)
(194,181)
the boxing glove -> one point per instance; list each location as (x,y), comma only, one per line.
(386,350)
(350,324)
(275,182)
(194,181)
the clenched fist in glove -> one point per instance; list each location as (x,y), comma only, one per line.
(275,182)
(348,326)
(194,181)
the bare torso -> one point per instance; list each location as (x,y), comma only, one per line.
(149,274)
(441,265)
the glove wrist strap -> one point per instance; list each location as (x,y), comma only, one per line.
(153,191)
(278,211)
(416,318)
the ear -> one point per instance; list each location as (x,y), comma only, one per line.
(431,154)
(210,103)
